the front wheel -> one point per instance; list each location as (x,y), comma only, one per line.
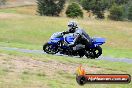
(48,48)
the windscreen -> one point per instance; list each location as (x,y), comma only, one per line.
(56,35)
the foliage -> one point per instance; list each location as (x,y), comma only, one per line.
(130,13)
(74,10)
(110,3)
(99,6)
(50,7)
(2,2)
(96,6)
(125,4)
(116,13)
(121,2)
(128,10)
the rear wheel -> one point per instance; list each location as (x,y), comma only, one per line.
(94,53)
(48,48)
(97,51)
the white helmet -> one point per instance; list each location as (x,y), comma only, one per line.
(72,25)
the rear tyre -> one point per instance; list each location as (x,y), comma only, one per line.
(48,48)
(97,51)
(89,54)
(94,53)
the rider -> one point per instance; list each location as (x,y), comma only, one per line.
(80,35)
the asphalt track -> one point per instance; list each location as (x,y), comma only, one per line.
(125,60)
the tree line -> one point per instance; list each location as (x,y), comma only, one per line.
(118,9)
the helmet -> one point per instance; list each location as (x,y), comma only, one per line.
(72,26)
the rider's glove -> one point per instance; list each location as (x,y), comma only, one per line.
(65,32)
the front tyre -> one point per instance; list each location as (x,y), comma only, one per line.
(48,48)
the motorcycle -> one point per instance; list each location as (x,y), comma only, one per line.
(58,43)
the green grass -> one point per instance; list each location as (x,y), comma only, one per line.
(115,66)
(21,45)
(31,10)
(117,53)
(34,31)
(31,32)
(60,79)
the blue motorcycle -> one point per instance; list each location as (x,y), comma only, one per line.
(58,43)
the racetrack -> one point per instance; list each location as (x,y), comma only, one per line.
(125,60)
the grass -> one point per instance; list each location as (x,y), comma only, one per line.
(21,45)
(21,28)
(34,31)
(115,66)
(27,78)
(30,10)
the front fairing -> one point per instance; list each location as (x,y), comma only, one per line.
(69,39)
(56,37)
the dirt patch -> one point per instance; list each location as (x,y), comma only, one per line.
(17,3)
(9,15)
(49,67)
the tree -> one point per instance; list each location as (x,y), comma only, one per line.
(121,2)
(50,7)
(87,4)
(130,13)
(118,2)
(2,2)
(74,10)
(96,6)
(71,1)
(125,4)
(116,13)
